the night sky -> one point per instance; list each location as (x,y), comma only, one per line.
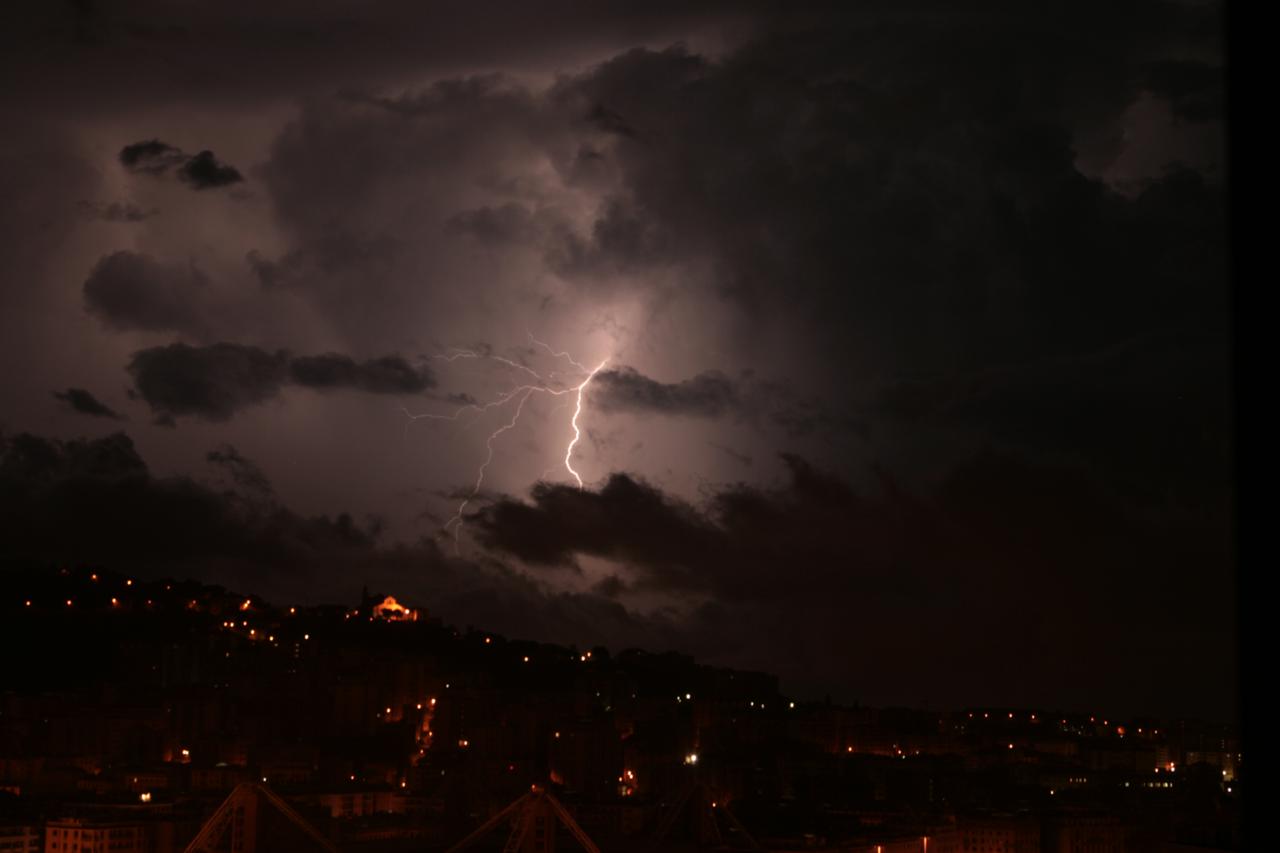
(897,334)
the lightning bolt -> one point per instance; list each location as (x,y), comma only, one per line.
(457,516)
(563,355)
(520,393)
(568,451)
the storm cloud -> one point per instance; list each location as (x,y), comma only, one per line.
(214,382)
(80,400)
(828,574)
(131,290)
(625,389)
(386,375)
(200,171)
(128,519)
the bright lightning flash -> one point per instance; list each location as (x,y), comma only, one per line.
(568,451)
(522,393)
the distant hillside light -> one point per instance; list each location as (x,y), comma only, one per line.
(393,611)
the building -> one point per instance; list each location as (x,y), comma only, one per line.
(20,839)
(1084,833)
(1000,833)
(90,836)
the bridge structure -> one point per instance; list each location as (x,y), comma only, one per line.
(254,819)
(533,818)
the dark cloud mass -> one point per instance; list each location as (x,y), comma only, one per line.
(204,171)
(625,389)
(80,400)
(712,394)
(214,382)
(130,290)
(210,382)
(152,156)
(830,587)
(830,575)
(387,375)
(200,171)
(244,473)
(128,519)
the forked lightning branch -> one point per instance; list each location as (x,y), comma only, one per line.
(515,398)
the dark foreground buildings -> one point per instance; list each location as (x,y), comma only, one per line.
(130,711)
